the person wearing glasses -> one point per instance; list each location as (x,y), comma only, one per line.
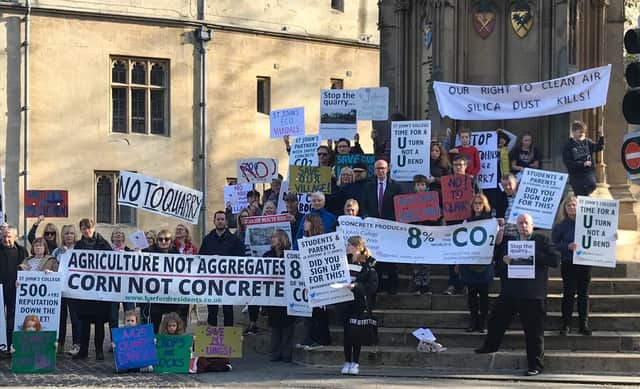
(343,146)
(50,234)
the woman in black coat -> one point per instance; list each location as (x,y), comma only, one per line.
(364,285)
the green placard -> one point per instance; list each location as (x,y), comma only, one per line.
(174,352)
(223,342)
(35,352)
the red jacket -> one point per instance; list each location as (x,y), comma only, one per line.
(189,248)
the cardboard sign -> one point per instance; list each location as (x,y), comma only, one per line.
(237,196)
(304,200)
(309,179)
(261,228)
(304,151)
(158,196)
(457,192)
(294,287)
(595,233)
(338,113)
(35,352)
(257,170)
(39,293)
(286,122)
(417,207)
(3,324)
(139,240)
(487,144)
(523,259)
(225,342)
(410,149)
(539,194)
(174,353)
(372,103)
(134,347)
(350,160)
(50,203)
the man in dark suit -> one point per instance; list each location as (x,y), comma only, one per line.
(377,201)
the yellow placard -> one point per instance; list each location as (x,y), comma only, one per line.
(308,179)
(223,342)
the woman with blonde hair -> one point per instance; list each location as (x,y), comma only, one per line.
(182,241)
(69,238)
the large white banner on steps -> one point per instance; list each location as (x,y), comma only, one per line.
(596,232)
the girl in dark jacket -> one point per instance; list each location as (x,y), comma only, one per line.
(281,324)
(364,285)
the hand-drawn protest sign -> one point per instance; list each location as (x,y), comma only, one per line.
(3,325)
(141,277)
(294,286)
(287,122)
(574,92)
(257,170)
(309,179)
(134,347)
(523,259)
(372,103)
(487,144)
(304,151)
(261,228)
(35,352)
(410,149)
(595,233)
(338,113)
(237,196)
(324,263)
(417,207)
(457,192)
(225,342)
(158,196)
(350,160)
(174,352)
(539,194)
(39,293)
(468,243)
(304,200)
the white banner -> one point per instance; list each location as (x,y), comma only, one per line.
(338,113)
(294,286)
(595,233)
(256,170)
(324,266)
(284,122)
(577,91)
(158,196)
(39,293)
(410,149)
(373,103)
(139,277)
(304,151)
(467,243)
(487,144)
(260,229)
(523,259)
(304,200)
(237,196)
(539,194)
(3,323)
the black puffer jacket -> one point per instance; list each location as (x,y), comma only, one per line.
(93,310)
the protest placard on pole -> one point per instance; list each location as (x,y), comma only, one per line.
(256,170)
(523,259)
(410,149)
(158,196)
(338,113)
(304,200)
(288,121)
(487,144)
(309,179)
(134,347)
(324,265)
(35,352)
(223,342)
(174,353)
(39,293)
(350,160)
(539,194)
(304,151)
(236,195)
(3,324)
(469,243)
(372,103)
(596,230)
(457,192)
(417,207)
(294,287)
(260,229)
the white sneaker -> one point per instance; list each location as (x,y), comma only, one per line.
(346,368)
(355,369)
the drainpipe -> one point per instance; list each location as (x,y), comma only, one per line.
(25,110)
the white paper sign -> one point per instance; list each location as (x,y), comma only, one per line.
(3,323)
(424,334)
(487,144)
(575,92)
(304,151)
(338,113)
(39,293)
(304,200)
(256,170)
(324,262)
(294,287)
(595,233)
(139,240)
(523,259)
(410,149)
(287,122)
(237,196)
(260,229)
(539,194)
(158,196)
(373,103)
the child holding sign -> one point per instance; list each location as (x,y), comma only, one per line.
(32,323)
(32,353)
(131,320)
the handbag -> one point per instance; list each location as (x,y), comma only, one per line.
(363,328)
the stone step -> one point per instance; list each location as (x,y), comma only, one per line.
(565,362)
(439,302)
(612,341)
(402,318)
